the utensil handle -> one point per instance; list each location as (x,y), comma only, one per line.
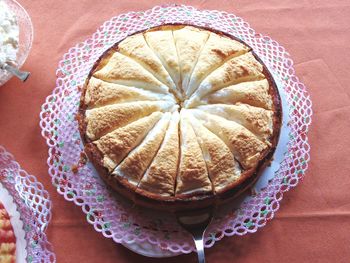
(200,250)
(22,75)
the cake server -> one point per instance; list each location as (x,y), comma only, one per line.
(196,223)
(22,75)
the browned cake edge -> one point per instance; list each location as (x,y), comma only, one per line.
(185,202)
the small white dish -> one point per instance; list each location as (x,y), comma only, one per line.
(25,37)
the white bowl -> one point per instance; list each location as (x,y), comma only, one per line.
(25,37)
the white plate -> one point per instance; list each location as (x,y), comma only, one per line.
(149,250)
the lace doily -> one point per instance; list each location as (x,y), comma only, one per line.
(33,204)
(115,218)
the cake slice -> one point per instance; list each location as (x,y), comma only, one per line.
(222,167)
(121,69)
(7,238)
(102,120)
(100,93)
(255,93)
(115,146)
(189,42)
(136,47)
(259,121)
(192,176)
(234,71)
(163,45)
(133,167)
(161,175)
(246,147)
(215,52)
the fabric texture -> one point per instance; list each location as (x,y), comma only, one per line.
(312,223)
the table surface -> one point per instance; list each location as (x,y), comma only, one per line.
(312,224)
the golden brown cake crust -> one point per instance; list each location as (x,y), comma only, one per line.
(146,198)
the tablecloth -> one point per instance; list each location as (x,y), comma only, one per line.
(313,223)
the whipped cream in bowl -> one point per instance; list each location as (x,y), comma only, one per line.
(9,34)
(16,36)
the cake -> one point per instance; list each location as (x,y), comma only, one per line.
(7,238)
(179,117)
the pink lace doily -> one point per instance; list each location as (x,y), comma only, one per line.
(115,218)
(33,204)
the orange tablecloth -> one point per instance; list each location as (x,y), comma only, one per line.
(313,224)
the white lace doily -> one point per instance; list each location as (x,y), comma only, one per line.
(34,207)
(115,218)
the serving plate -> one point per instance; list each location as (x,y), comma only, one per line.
(113,216)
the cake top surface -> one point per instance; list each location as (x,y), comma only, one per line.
(179,111)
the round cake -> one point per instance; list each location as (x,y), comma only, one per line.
(7,238)
(179,117)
